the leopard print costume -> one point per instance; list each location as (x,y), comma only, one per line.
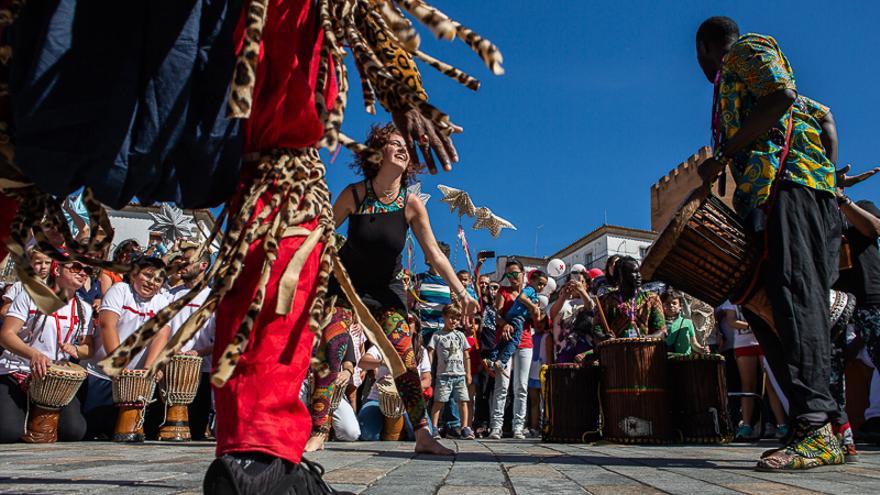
(384,44)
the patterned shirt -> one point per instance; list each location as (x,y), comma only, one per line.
(636,317)
(756,67)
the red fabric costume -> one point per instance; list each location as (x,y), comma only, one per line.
(259,409)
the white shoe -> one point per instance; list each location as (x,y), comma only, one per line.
(519,435)
(494,434)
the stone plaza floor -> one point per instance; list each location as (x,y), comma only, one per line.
(481,467)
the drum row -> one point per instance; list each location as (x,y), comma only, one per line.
(637,394)
(133,390)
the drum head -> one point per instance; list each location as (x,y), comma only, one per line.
(669,236)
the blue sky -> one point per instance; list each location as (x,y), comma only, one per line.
(601,99)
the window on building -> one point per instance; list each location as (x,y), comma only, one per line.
(588,259)
(643,251)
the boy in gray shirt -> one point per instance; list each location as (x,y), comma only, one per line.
(453,368)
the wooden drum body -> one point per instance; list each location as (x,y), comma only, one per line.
(181,383)
(572,407)
(132,391)
(47,396)
(634,397)
(392,410)
(706,252)
(698,390)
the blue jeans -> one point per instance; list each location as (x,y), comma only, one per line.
(371,421)
(504,350)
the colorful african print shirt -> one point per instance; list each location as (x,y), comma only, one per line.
(635,317)
(372,205)
(756,67)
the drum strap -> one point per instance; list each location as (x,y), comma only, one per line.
(768,209)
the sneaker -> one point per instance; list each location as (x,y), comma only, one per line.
(782,431)
(533,433)
(769,431)
(467,433)
(810,447)
(850,453)
(494,434)
(745,433)
(436,435)
(453,432)
(255,474)
(519,435)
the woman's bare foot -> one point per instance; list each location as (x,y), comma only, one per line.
(425,444)
(315,443)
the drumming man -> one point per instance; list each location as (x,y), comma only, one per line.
(125,307)
(629,311)
(755,127)
(203,343)
(34,341)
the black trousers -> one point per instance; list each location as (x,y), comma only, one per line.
(200,409)
(803,241)
(13,408)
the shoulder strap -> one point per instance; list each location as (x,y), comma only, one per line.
(354,192)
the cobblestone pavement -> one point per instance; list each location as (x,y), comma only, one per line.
(480,467)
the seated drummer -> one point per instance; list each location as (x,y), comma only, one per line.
(126,306)
(628,310)
(370,416)
(681,337)
(33,342)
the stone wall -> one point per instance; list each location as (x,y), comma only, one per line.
(668,193)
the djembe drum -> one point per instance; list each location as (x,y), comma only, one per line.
(635,404)
(132,391)
(392,409)
(698,389)
(181,383)
(706,252)
(47,396)
(572,407)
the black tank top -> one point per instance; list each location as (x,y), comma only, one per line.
(374,248)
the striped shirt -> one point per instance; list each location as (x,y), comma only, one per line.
(434,294)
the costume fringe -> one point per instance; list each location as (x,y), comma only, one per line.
(299,193)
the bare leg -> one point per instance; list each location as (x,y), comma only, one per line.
(748,375)
(775,404)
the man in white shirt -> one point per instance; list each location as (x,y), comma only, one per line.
(125,307)
(202,344)
(34,341)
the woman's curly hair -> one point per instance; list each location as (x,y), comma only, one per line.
(379,136)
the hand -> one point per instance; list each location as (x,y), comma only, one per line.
(39,363)
(579,358)
(844,180)
(507,332)
(342,378)
(469,307)
(417,130)
(710,170)
(70,350)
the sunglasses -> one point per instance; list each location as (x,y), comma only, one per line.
(75,268)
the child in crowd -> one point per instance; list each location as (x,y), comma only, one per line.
(41,265)
(681,337)
(473,355)
(525,306)
(453,369)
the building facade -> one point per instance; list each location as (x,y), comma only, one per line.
(592,250)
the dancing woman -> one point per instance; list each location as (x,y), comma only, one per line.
(379,213)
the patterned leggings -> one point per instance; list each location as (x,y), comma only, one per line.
(409,384)
(334,345)
(837,385)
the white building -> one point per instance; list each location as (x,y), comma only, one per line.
(593,249)
(134,221)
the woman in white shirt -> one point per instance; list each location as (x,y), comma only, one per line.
(33,341)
